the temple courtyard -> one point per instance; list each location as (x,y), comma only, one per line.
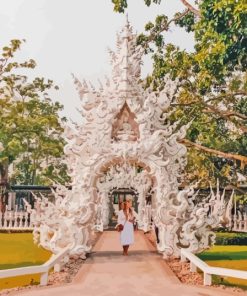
(107,272)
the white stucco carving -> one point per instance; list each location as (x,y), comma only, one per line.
(123,126)
(221,206)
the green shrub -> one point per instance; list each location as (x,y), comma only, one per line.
(231,238)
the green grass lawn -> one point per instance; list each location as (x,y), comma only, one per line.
(225,253)
(19,250)
(233,257)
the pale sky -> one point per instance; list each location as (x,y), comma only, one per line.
(72,36)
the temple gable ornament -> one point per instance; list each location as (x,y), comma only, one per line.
(125,127)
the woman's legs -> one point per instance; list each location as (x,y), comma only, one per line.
(125,249)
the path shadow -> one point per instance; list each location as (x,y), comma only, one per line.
(117,253)
(117,256)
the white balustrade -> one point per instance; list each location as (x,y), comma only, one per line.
(208,271)
(55,261)
(16,220)
(240,223)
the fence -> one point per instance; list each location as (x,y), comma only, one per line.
(240,223)
(55,261)
(16,220)
(207,270)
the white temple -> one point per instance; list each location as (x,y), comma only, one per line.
(125,140)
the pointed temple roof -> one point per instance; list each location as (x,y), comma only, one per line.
(121,103)
(126,68)
(126,61)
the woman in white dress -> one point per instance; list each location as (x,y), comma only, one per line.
(126,218)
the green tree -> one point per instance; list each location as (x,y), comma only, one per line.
(30,127)
(213,82)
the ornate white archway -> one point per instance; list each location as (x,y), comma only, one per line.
(123,176)
(123,122)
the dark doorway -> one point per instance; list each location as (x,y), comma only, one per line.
(118,195)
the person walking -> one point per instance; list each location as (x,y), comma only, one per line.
(126,218)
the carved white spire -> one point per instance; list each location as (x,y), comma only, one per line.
(126,61)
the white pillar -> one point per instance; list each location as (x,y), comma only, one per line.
(207,279)
(44,279)
(192,267)
(15,219)
(21,220)
(10,219)
(5,221)
(182,258)
(57,267)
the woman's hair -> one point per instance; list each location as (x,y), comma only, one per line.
(124,205)
(125,208)
(121,203)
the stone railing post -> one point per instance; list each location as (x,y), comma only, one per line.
(5,223)
(15,219)
(207,279)
(182,258)
(26,219)
(20,220)
(57,267)
(32,219)
(44,279)
(9,219)
(192,267)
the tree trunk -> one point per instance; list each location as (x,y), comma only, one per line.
(3,185)
(190,7)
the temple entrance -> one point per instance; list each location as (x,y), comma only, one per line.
(118,195)
(125,180)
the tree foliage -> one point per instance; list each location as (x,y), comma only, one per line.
(213,82)
(30,127)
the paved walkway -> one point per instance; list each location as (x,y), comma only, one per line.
(107,273)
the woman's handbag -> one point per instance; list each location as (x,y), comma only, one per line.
(120,227)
